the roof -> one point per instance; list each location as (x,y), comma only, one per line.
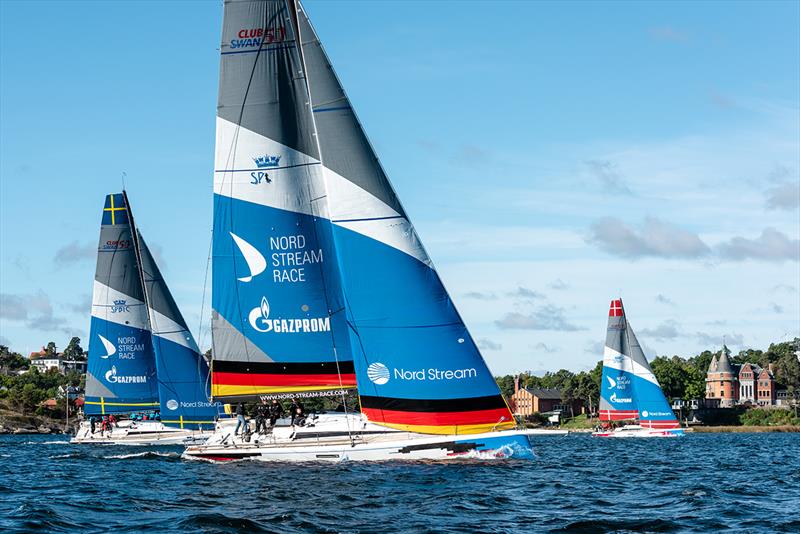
(724,364)
(545,393)
(712,368)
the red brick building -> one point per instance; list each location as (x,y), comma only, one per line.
(733,384)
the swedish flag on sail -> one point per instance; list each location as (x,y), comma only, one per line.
(114,211)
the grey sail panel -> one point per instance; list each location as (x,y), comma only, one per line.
(345,146)
(261,85)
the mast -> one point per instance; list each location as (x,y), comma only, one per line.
(278,321)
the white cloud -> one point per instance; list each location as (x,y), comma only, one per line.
(656,239)
(771,245)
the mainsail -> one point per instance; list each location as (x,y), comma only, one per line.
(278,318)
(183,377)
(121,374)
(629,389)
(416,364)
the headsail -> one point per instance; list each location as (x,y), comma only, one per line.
(654,409)
(417,366)
(183,376)
(278,322)
(121,374)
(629,389)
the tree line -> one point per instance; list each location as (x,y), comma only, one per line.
(680,378)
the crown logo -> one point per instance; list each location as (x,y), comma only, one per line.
(265,161)
(119,302)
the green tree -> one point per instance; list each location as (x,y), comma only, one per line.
(50,350)
(12,361)
(74,350)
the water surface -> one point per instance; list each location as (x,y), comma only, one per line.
(701,483)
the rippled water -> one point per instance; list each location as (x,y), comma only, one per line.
(703,482)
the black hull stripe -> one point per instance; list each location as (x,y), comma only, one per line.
(284,368)
(469,404)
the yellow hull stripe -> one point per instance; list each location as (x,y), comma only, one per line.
(450,429)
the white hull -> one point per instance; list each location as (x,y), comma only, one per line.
(336,438)
(138,433)
(636,431)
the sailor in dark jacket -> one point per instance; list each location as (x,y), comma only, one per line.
(241,421)
(275,412)
(262,412)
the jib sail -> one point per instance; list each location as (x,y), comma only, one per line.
(417,366)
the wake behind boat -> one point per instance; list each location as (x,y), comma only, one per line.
(320,282)
(142,357)
(629,391)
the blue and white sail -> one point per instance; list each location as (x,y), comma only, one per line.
(121,374)
(629,390)
(278,318)
(416,364)
(183,374)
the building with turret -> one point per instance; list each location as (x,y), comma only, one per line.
(731,384)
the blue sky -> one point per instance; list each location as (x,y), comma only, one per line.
(551,155)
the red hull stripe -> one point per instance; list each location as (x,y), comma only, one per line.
(661,424)
(618,415)
(437,418)
(242,379)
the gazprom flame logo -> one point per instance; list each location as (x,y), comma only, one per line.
(378,373)
(259,317)
(260,321)
(113,378)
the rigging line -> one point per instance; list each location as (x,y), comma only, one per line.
(317,217)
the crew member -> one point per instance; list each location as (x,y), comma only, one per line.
(240,420)
(262,412)
(275,412)
(297,411)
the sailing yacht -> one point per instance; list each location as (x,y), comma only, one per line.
(142,357)
(320,283)
(629,391)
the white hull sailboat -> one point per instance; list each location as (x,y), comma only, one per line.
(320,282)
(142,357)
(637,431)
(629,391)
(138,433)
(350,437)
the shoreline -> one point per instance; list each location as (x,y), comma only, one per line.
(745,428)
